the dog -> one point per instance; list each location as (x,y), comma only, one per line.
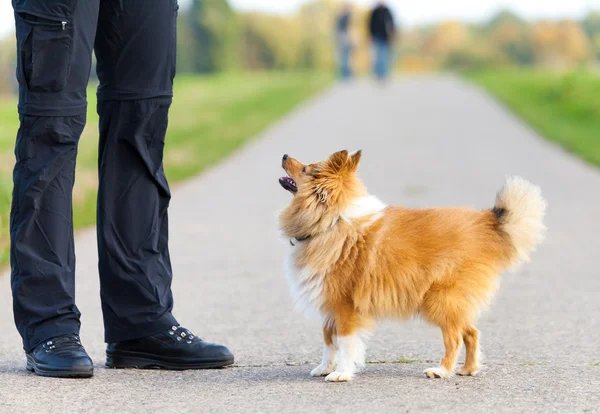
(353,260)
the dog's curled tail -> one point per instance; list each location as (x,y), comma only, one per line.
(520,210)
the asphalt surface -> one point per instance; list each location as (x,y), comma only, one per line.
(426,141)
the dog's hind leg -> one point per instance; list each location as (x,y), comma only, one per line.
(471,339)
(444,306)
(330,350)
(452,342)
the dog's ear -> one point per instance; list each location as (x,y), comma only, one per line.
(355,160)
(338,160)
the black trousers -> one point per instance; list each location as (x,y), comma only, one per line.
(134,41)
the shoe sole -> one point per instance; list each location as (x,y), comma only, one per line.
(124,360)
(46,372)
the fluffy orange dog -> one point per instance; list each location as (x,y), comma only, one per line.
(354,261)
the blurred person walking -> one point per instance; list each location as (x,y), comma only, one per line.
(382,30)
(343,39)
(134,42)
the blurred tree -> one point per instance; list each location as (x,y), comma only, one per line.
(513,39)
(445,37)
(256,51)
(412,58)
(8,82)
(560,44)
(544,36)
(316,22)
(504,17)
(269,41)
(185,46)
(212,37)
(573,43)
(596,47)
(591,26)
(360,38)
(213,40)
(465,60)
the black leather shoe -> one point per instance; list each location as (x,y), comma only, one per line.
(63,356)
(175,349)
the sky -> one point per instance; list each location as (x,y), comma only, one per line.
(409,12)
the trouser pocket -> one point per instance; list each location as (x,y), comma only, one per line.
(44,55)
(173,50)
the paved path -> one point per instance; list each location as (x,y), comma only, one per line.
(426,142)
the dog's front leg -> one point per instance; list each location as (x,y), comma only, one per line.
(328,363)
(351,356)
(330,351)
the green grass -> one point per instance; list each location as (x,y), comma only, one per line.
(211,116)
(564,108)
(403,360)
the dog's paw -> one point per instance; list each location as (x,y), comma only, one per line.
(321,371)
(464,372)
(437,372)
(337,376)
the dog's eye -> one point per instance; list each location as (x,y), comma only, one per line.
(303,170)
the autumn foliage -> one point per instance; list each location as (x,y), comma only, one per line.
(213,37)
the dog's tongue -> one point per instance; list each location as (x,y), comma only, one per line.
(289,180)
(288,183)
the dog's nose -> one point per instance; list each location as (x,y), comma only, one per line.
(285,157)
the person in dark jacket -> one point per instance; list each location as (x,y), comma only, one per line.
(134,42)
(382,30)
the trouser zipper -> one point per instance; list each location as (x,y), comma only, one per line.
(55,24)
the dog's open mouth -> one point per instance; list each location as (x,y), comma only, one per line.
(289,184)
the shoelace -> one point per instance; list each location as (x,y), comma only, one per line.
(63,343)
(182,334)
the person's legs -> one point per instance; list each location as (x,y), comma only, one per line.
(135,48)
(55,39)
(344,53)
(376,59)
(385,59)
(346,64)
(381,60)
(134,262)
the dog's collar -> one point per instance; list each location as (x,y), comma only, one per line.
(298,239)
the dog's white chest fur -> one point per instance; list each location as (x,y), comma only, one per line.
(306,285)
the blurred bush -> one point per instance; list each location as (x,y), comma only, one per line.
(7,65)
(212,37)
(208,37)
(473,59)
(507,40)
